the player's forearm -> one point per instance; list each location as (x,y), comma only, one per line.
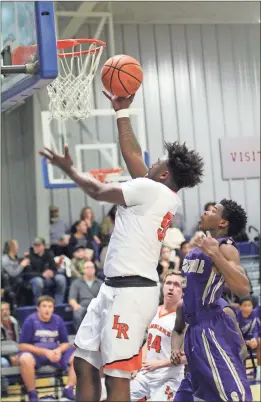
(26,347)
(235,279)
(165,363)
(63,347)
(89,185)
(177,340)
(130,148)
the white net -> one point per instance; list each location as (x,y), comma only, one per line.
(70,93)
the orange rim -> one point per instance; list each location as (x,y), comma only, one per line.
(66,43)
(100,174)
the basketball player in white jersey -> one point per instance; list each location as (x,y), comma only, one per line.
(111,334)
(158,379)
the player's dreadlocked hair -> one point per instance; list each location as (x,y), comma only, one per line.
(235,215)
(186,166)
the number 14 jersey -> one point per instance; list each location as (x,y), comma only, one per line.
(140,228)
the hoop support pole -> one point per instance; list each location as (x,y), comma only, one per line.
(20,69)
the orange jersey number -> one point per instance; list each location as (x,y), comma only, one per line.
(156,344)
(165,224)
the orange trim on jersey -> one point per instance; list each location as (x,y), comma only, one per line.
(169,312)
(134,363)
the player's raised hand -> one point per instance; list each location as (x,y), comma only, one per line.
(64,162)
(206,243)
(119,103)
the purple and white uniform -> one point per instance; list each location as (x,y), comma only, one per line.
(212,343)
(48,335)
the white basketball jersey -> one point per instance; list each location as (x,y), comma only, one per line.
(140,228)
(159,343)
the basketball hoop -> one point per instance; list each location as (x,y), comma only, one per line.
(105,175)
(70,92)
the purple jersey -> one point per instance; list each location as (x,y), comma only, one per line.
(248,325)
(46,335)
(202,284)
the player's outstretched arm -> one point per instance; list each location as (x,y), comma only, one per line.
(130,148)
(111,193)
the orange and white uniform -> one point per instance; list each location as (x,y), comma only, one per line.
(162,383)
(112,332)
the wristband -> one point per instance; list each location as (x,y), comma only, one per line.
(122,113)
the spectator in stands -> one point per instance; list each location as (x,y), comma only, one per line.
(78,260)
(12,270)
(79,237)
(42,272)
(174,237)
(10,262)
(165,264)
(247,321)
(58,229)
(82,291)
(9,332)
(107,226)
(44,341)
(179,222)
(185,247)
(258,352)
(93,229)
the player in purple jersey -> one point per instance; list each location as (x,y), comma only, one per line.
(212,343)
(185,391)
(44,342)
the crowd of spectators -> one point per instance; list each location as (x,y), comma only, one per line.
(69,269)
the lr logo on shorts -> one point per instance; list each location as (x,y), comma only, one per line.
(121,328)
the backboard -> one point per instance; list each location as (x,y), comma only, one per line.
(28,36)
(89,149)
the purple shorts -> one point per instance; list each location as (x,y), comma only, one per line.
(212,348)
(185,392)
(41,361)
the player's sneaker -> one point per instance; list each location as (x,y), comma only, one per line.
(33,396)
(68,394)
(48,398)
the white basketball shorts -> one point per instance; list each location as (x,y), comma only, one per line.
(145,386)
(112,331)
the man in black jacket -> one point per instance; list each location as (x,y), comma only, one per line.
(42,272)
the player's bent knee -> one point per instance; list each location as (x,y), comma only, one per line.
(27,359)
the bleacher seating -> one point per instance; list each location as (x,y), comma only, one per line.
(14,374)
(248,248)
(64,310)
(251,263)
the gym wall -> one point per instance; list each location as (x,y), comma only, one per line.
(200,83)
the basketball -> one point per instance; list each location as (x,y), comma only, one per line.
(122,75)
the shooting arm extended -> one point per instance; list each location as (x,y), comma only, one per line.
(130,149)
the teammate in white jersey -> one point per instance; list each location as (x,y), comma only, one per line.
(158,379)
(112,331)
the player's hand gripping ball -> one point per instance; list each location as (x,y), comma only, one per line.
(122,75)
